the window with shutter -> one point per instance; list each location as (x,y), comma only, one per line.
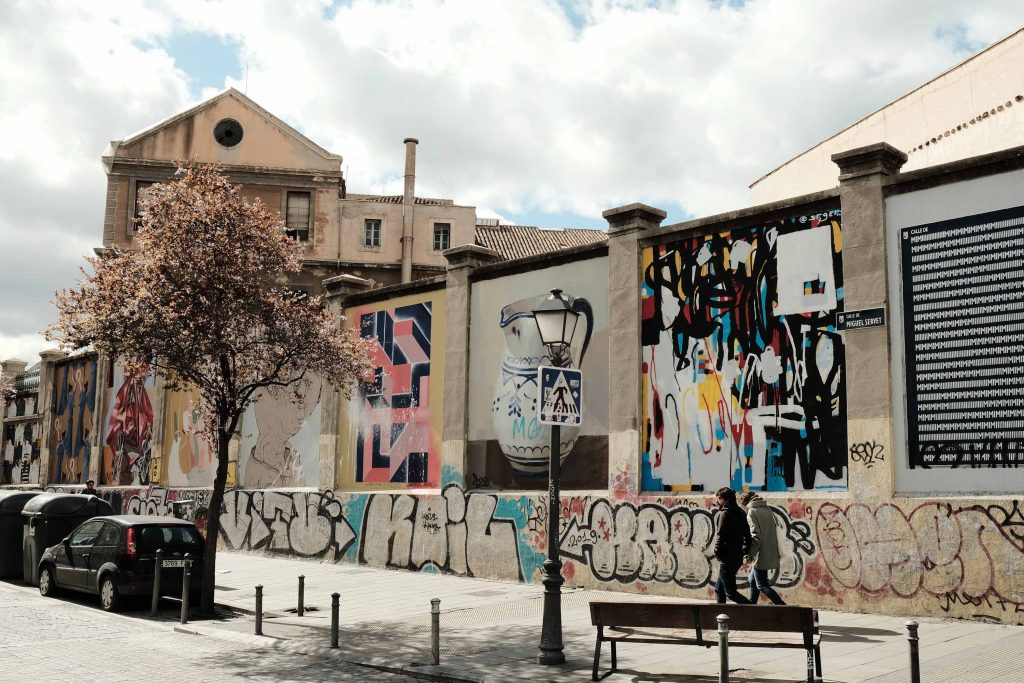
(297,215)
(141,189)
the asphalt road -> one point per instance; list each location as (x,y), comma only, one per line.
(71,639)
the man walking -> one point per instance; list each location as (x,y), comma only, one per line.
(732,539)
(764,546)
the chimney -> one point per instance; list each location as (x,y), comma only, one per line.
(408,205)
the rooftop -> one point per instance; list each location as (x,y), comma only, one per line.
(518,241)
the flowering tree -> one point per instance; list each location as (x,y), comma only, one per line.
(203,302)
(6,391)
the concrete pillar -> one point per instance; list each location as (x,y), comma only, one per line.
(337,290)
(454,433)
(408,207)
(862,172)
(12,367)
(45,409)
(626,225)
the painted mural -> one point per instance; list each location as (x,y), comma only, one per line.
(21,452)
(391,429)
(743,365)
(74,405)
(280,443)
(188,459)
(508,447)
(128,429)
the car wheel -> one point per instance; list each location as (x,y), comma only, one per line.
(110,599)
(47,586)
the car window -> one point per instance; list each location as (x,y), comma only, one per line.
(109,536)
(185,538)
(86,534)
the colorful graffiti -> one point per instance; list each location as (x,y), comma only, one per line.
(128,427)
(508,446)
(188,458)
(281,437)
(309,524)
(74,405)
(743,366)
(393,431)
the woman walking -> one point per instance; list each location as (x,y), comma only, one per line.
(764,546)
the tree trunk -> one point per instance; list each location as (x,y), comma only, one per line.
(213,521)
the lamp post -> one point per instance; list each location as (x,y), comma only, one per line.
(556,323)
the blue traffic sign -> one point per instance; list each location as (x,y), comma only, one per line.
(561,392)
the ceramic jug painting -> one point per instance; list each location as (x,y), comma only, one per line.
(524,441)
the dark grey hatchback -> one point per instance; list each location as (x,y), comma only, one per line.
(115,556)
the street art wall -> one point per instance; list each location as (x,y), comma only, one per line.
(128,429)
(22,447)
(508,447)
(391,428)
(187,458)
(743,366)
(280,437)
(71,436)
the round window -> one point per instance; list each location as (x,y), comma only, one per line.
(228,132)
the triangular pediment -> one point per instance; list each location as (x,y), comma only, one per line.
(266,141)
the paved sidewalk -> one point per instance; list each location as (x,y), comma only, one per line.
(490,630)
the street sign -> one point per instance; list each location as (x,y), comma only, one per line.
(859,320)
(561,391)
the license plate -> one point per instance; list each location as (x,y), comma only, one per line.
(173,563)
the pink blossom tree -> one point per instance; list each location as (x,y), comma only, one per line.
(203,299)
(6,391)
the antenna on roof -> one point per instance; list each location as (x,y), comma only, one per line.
(245,88)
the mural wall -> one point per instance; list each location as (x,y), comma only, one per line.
(188,459)
(22,448)
(128,429)
(391,429)
(74,404)
(280,444)
(743,366)
(508,447)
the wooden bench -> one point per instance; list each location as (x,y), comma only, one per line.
(678,623)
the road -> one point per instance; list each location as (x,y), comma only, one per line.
(71,639)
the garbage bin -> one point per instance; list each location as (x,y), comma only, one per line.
(48,518)
(11,532)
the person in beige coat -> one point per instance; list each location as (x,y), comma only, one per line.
(764,546)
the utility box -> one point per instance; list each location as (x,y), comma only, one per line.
(48,518)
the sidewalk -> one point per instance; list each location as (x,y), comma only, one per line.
(490,630)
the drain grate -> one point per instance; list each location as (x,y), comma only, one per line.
(305,608)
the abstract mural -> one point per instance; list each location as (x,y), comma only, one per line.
(128,429)
(74,405)
(743,365)
(392,432)
(280,443)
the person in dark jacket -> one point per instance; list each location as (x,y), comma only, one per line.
(732,541)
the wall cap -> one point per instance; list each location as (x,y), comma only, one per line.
(470,256)
(635,216)
(878,158)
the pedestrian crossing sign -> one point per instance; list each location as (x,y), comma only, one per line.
(561,391)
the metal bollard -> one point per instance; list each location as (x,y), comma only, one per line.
(259,610)
(435,631)
(158,563)
(184,588)
(302,595)
(915,661)
(723,648)
(335,608)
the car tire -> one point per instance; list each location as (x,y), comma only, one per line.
(47,586)
(110,598)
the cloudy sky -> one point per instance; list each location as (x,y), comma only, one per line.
(542,112)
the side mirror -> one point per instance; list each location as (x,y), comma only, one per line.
(66,541)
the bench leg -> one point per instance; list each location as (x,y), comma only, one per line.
(810,665)
(597,658)
(615,663)
(817,662)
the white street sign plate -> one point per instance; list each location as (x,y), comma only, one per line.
(561,391)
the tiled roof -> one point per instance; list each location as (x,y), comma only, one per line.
(517,241)
(398,199)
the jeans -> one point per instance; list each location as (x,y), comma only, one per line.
(726,584)
(759,584)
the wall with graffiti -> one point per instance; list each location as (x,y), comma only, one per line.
(187,459)
(73,414)
(128,428)
(280,437)
(391,429)
(743,366)
(508,447)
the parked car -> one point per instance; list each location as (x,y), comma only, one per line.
(114,557)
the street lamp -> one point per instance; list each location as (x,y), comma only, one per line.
(556,323)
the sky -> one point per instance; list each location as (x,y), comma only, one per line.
(536,111)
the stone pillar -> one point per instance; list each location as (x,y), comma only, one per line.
(862,172)
(626,225)
(455,431)
(337,289)
(12,367)
(45,410)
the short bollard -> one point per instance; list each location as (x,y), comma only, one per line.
(723,648)
(302,595)
(259,610)
(157,564)
(915,661)
(184,587)
(335,607)
(435,631)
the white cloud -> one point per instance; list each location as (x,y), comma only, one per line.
(519,106)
